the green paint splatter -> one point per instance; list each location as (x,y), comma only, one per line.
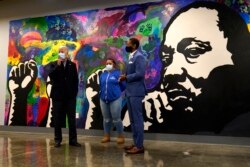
(31,99)
(53,57)
(149,46)
(38,24)
(114,42)
(154,11)
(38,59)
(149,27)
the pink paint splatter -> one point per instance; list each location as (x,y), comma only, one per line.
(29,114)
(83,19)
(151,74)
(43,105)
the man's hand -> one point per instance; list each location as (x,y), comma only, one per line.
(122,78)
(59,62)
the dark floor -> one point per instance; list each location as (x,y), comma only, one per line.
(36,149)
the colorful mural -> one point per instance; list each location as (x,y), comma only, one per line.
(95,35)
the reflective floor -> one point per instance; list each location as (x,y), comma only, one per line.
(36,149)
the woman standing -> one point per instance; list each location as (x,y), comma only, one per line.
(111,101)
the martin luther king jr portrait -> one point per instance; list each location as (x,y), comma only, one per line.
(205,53)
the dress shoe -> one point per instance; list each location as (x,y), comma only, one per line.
(129,147)
(57,144)
(135,150)
(75,144)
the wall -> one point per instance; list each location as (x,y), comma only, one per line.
(16,9)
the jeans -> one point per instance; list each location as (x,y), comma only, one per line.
(111,113)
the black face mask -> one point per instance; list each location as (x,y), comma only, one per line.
(129,49)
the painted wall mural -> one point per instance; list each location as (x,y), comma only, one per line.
(198,72)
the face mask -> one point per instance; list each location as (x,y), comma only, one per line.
(62,55)
(128,49)
(109,67)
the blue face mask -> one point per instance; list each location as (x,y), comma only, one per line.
(62,55)
(109,67)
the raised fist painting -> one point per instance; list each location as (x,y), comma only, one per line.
(21,80)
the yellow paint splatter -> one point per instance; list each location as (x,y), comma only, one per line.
(13,61)
(54,47)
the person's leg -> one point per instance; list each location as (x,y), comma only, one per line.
(107,120)
(57,109)
(71,114)
(115,109)
(131,118)
(138,128)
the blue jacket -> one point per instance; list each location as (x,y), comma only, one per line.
(110,87)
(135,73)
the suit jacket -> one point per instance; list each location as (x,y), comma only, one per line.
(64,80)
(135,72)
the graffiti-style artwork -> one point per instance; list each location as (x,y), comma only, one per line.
(205,78)
(198,76)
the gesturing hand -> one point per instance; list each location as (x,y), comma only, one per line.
(59,62)
(122,78)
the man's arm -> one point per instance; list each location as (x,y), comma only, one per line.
(140,63)
(52,69)
(76,80)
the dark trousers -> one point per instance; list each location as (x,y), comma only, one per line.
(136,119)
(61,108)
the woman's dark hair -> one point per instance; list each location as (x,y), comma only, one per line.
(113,60)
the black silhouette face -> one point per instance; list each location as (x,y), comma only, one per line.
(193,47)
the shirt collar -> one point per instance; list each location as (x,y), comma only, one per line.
(132,54)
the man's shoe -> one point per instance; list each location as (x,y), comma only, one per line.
(129,147)
(57,144)
(75,144)
(135,150)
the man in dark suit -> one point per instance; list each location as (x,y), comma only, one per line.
(64,79)
(135,92)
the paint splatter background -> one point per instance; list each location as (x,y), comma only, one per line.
(91,36)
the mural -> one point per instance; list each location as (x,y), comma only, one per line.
(198,75)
